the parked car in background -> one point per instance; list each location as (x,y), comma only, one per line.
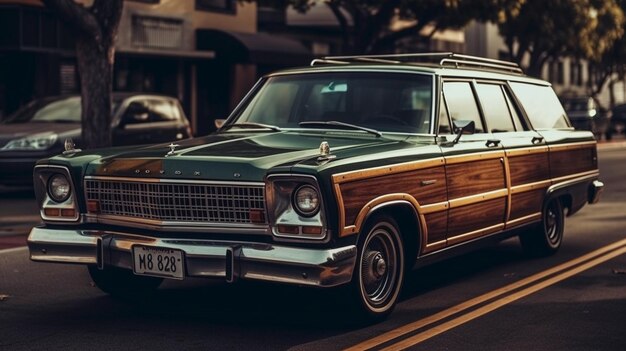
(39,129)
(618,121)
(584,114)
(348,173)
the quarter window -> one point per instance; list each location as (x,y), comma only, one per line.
(462,104)
(495,108)
(541,104)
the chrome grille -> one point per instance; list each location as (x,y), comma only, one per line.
(176,202)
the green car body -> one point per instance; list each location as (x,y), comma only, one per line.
(345,199)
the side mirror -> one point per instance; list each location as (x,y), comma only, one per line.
(463,127)
(219,122)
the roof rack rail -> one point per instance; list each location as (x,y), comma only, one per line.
(445,59)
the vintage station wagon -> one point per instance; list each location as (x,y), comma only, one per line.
(346,173)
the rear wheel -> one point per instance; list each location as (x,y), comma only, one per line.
(545,239)
(122,282)
(379,271)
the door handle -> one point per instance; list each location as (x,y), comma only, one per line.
(537,140)
(492,143)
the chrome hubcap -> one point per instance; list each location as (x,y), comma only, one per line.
(379,267)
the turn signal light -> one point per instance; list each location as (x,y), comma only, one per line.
(257,216)
(288,229)
(68,212)
(93,206)
(52,212)
(312,230)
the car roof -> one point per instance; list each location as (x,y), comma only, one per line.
(441,64)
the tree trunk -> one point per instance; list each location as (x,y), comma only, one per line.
(96,29)
(95,69)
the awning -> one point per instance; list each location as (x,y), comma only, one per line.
(260,48)
(161,53)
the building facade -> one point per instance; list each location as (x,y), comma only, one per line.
(207,53)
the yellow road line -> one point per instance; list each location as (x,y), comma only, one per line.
(408,328)
(501,302)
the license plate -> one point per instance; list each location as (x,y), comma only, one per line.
(159,262)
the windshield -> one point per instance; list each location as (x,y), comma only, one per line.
(64,110)
(387,102)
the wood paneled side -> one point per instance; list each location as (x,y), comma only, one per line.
(476,216)
(526,203)
(356,194)
(437,224)
(568,162)
(529,168)
(475,177)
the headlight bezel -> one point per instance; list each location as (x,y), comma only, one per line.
(50,210)
(280,191)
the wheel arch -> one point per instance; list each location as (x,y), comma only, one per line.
(409,222)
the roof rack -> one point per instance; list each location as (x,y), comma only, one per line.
(445,59)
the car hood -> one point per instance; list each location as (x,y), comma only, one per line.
(12,131)
(233,156)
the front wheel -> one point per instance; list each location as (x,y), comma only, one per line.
(122,282)
(545,239)
(379,270)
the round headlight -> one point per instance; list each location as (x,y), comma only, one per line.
(306,201)
(59,188)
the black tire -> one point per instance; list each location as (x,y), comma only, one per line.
(545,239)
(379,271)
(122,282)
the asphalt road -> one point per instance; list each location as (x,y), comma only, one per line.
(493,299)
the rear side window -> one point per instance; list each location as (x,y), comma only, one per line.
(541,105)
(462,104)
(497,113)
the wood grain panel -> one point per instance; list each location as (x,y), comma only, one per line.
(529,168)
(468,218)
(476,177)
(437,224)
(526,203)
(357,194)
(567,162)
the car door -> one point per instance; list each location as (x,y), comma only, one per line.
(475,168)
(572,154)
(526,162)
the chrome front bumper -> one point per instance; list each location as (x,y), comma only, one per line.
(203,258)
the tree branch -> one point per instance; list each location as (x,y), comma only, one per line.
(76,16)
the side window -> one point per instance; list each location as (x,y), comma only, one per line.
(541,105)
(462,104)
(495,108)
(161,111)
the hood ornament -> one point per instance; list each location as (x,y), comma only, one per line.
(325,155)
(70,147)
(172,149)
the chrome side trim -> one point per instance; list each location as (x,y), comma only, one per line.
(203,258)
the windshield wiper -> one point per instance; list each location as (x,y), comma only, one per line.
(339,124)
(251,125)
